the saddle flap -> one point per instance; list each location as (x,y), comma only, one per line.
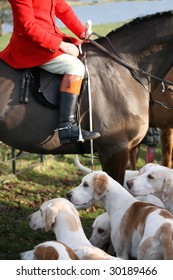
(49,86)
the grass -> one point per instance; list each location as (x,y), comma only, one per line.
(37,182)
(21,195)
(4,40)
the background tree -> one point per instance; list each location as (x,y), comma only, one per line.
(5,14)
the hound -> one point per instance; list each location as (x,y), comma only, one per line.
(101,233)
(139,229)
(158,181)
(49,250)
(60,215)
(101,229)
(146,167)
(167,193)
(129,174)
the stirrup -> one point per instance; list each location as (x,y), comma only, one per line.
(73,133)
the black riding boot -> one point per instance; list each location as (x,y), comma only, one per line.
(68,127)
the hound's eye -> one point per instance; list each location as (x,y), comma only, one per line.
(85,184)
(150,176)
(100,230)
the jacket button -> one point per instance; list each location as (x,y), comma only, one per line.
(51,50)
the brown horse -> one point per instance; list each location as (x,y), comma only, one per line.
(161,115)
(119,96)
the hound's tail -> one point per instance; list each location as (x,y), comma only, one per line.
(80,166)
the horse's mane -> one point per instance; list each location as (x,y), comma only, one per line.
(139,20)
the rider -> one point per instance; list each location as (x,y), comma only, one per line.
(37,41)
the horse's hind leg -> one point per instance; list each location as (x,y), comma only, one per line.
(167,146)
(114,163)
(134,157)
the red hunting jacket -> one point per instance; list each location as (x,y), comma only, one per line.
(36,38)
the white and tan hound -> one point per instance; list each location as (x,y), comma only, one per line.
(49,250)
(156,180)
(60,215)
(138,229)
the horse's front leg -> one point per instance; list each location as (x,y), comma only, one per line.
(114,163)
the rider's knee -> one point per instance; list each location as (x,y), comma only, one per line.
(76,67)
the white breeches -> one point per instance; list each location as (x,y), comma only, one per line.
(65,64)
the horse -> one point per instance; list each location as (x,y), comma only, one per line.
(161,115)
(123,68)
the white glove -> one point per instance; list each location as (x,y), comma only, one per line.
(88,29)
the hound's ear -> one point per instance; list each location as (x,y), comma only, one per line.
(165,192)
(50,217)
(100,185)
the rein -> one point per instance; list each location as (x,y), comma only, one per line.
(135,70)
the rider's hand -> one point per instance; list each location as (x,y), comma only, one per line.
(69,48)
(85,38)
(88,31)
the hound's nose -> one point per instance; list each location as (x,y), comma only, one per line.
(129,183)
(68,195)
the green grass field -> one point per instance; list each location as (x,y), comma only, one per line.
(37,182)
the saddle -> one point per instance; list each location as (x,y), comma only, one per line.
(44,86)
